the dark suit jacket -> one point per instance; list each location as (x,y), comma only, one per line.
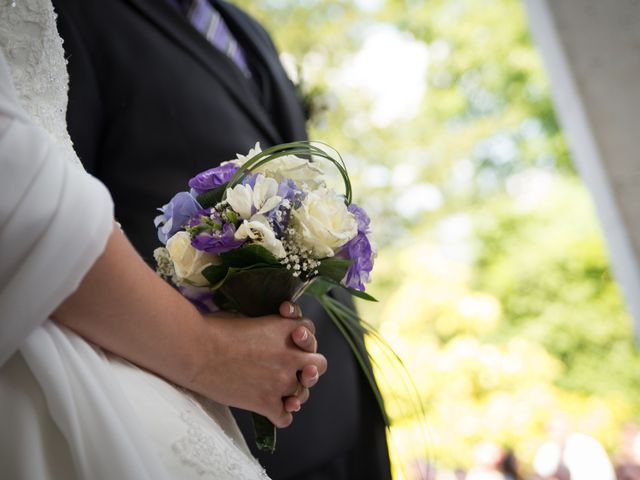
(151,103)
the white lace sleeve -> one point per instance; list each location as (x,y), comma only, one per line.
(33,49)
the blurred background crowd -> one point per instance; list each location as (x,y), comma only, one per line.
(494,283)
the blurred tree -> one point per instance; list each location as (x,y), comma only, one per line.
(492,274)
(551,274)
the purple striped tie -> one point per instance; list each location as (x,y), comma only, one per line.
(208,21)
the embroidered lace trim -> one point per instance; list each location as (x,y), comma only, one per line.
(33,49)
(214,456)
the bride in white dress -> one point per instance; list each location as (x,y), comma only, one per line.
(69,409)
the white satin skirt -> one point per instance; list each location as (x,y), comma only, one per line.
(188,436)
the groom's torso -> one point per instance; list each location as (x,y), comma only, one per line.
(162,104)
(151,104)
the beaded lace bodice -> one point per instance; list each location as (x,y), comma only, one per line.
(33,49)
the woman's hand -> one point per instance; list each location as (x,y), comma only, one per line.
(262,364)
(309,375)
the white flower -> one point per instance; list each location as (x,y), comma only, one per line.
(259,231)
(242,159)
(189,261)
(298,169)
(324,223)
(247,201)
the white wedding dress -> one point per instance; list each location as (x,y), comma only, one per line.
(68,410)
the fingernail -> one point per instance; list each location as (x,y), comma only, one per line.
(292,310)
(304,336)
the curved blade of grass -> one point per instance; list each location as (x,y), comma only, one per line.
(357,325)
(339,323)
(294,148)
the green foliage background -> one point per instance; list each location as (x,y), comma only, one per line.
(500,298)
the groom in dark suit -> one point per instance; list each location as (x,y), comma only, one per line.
(163,89)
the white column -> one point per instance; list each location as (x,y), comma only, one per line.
(592,52)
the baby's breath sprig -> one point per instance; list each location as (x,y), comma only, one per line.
(165,266)
(298,260)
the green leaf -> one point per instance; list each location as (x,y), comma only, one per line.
(362,295)
(320,286)
(265,433)
(248,256)
(211,198)
(334,268)
(259,291)
(215,274)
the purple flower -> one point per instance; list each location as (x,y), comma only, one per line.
(361,217)
(250,179)
(175,215)
(212,178)
(196,218)
(280,216)
(359,251)
(200,297)
(217,241)
(290,191)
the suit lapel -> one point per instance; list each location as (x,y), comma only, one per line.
(291,122)
(161,14)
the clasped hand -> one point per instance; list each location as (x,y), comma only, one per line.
(262,364)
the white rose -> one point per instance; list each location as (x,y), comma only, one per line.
(298,169)
(259,231)
(189,261)
(248,201)
(324,223)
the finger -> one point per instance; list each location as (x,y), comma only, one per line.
(309,324)
(308,376)
(304,339)
(319,361)
(304,395)
(292,404)
(290,310)
(302,359)
(283,420)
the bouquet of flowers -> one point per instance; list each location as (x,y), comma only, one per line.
(264,228)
